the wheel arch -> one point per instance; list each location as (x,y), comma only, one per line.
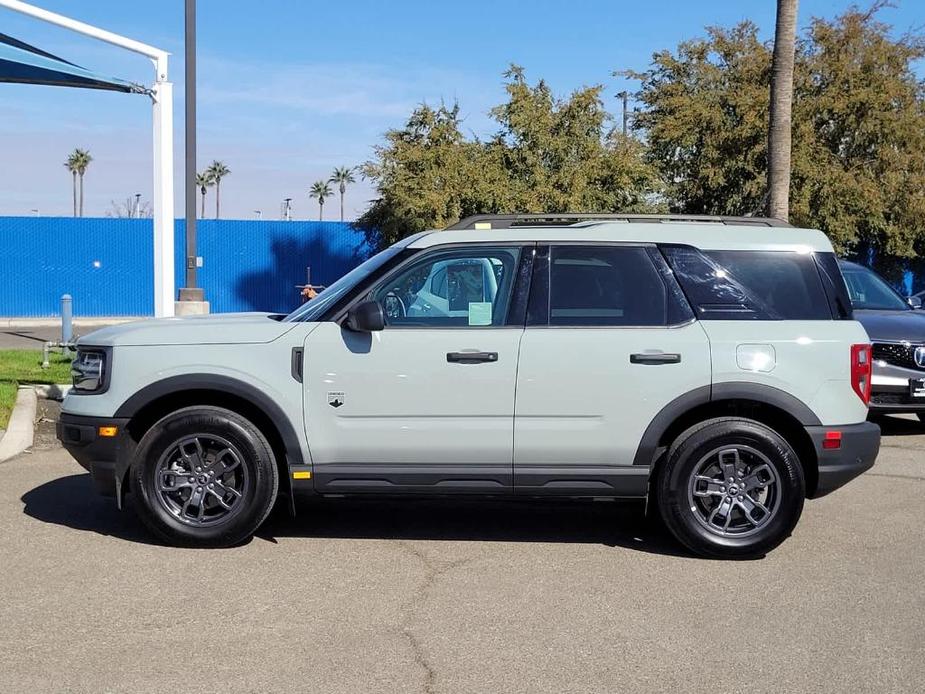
(156,400)
(775,408)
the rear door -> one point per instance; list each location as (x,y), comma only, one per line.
(609,342)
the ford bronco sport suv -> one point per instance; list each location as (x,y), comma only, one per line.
(708,365)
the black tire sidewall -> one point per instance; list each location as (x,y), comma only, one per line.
(256,455)
(673,486)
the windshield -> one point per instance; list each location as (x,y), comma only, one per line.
(312,310)
(868,290)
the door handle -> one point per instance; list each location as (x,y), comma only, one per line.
(471,357)
(655,358)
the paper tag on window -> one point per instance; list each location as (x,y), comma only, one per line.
(480,313)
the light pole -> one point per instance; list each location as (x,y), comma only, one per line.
(192,299)
(624,96)
(258,214)
(136,212)
(287,209)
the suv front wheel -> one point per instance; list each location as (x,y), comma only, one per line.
(204,476)
(731,487)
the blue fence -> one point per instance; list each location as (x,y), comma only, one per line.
(107,264)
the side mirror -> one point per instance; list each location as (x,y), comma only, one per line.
(366,317)
(914,302)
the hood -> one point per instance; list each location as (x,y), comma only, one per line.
(895,326)
(214,329)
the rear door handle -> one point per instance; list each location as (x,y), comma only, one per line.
(655,358)
(471,357)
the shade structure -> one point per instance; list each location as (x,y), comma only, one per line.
(25,64)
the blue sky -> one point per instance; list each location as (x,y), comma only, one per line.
(288,89)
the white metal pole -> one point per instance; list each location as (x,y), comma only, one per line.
(163,144)
(163,200)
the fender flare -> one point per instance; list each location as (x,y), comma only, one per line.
(718,392)
(223,384)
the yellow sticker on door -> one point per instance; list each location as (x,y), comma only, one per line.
(479,313)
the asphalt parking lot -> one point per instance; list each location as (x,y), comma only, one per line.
(460,597)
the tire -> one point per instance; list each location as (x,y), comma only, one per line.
(204,477)
(693,492)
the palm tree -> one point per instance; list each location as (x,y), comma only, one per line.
(71,165)
(217,170)
(204,181)
(781,108)
(319,191)
(342,176)
(77,163)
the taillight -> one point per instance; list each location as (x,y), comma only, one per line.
(861,371)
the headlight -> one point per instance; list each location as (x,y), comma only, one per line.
(88,369)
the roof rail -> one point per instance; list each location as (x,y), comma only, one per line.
(506,221)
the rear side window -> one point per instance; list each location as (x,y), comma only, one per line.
(605,286)
(750,285)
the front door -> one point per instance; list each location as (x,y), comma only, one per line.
(427,404)
(609,342)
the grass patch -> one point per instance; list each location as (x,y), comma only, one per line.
(23,366)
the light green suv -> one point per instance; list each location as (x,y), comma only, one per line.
(711,365)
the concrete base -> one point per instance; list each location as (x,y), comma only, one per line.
(190,308)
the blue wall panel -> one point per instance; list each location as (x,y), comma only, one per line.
(107,264)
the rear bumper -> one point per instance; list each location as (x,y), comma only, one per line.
(860,444)
(105,458)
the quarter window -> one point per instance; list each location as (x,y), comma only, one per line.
(750,285)
(605,286)
(458,288)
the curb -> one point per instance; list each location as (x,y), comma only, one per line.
(26,323)
(20,431)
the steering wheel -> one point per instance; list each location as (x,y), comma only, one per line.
(393,305)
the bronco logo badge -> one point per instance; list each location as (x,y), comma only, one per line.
(335,400)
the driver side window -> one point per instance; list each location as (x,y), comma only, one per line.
(455,288)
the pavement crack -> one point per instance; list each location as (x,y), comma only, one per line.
(433,571)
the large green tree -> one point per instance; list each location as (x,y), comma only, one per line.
(547,155)
(860,114)
(858,150)
(704,116)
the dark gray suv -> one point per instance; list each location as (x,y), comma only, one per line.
(897,331)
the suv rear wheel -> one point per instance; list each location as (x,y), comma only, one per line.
(731,487)
(204,476)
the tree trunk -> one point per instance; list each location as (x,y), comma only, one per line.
(202,205)
(779,134)
(320,209)
(74,190)
(81,195)
(342,206)
(218,185)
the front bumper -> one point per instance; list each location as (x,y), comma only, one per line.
(890,390)
(106,458)
(860,444)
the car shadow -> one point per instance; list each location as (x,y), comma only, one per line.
(73,502)
(613,524)
(893,425)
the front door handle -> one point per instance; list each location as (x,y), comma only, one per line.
(471,357)
(655,358)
